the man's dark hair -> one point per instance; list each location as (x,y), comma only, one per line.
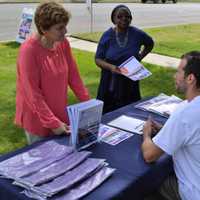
(193,65)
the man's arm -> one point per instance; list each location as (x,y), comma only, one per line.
(150,151)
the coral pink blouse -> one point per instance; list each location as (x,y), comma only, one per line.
(43,77)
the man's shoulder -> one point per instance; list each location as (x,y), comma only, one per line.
(192,110)
(186,115)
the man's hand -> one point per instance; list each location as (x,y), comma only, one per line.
(156,126)
(150,151)
(148,128)
(151,127)
(63,129)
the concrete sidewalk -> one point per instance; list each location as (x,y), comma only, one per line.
(151,58)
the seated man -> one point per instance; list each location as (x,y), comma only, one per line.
(180,136)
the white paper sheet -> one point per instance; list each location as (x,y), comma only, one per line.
(128,124)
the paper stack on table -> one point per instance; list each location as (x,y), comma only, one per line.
(54,170)
(34,159)
(128,124)
(81,189)
(67,180)
(162,104)
(59,172)
(84,120)
(71,184)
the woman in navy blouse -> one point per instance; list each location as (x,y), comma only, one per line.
(116,45)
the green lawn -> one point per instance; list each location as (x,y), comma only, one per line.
(12,137)
(173,40)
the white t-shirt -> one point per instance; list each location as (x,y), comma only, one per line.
(180,137)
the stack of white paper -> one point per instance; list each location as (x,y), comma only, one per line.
(84,121)
(146,104)
(162,104)
(128,124)
(167,106)
(134,70)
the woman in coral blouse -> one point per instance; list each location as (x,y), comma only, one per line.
(45,69)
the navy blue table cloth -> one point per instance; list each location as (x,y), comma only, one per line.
(133,178)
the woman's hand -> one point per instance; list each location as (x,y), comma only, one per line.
(63,129)
(105,65)
(123,70)
(116,70)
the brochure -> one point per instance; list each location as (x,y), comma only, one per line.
(146,104)
(162,104)
(128,124)
(112,136)
(84,120)
(25,24)
(134,70)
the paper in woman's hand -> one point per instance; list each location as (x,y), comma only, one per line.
(133,69)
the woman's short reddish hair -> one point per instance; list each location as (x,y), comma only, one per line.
(48,14)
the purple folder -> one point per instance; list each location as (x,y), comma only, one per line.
(34,159)
(70,178)
(54,170)
(80,190)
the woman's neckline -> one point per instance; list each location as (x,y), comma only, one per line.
(120,32)
(121,37)
(37,38)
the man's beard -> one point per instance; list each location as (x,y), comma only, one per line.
(181,89)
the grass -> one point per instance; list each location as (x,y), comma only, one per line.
(172,41)
(12,137)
